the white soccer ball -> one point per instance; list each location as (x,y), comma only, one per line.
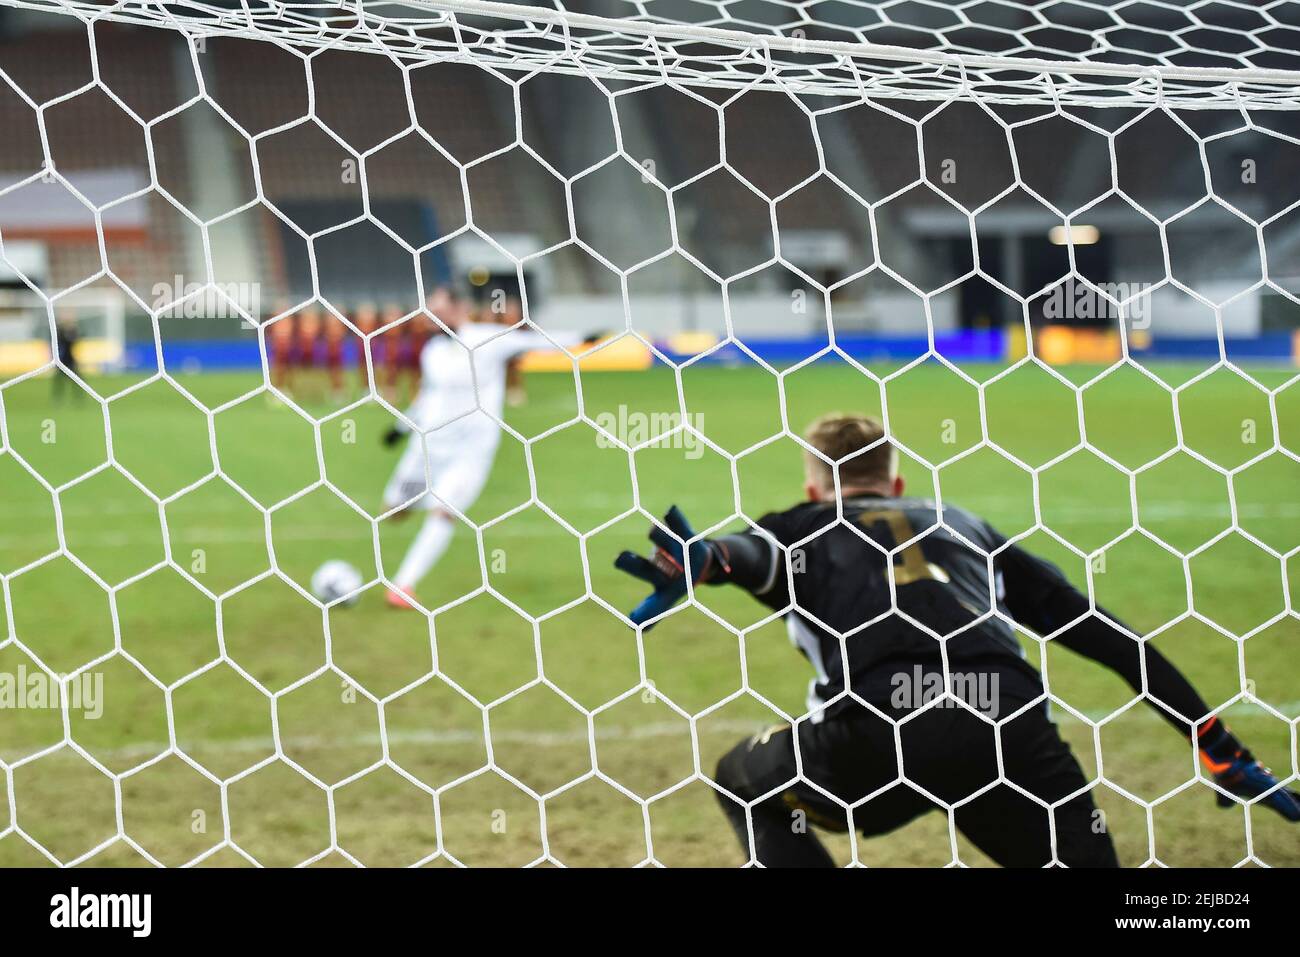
(335,579)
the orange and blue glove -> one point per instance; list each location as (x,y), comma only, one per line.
(1236,771)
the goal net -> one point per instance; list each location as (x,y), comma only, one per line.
(1054,247)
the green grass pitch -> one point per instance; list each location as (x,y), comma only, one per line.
(575,697)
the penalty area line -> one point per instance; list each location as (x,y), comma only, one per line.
(544,739)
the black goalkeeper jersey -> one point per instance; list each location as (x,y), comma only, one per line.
(940,588)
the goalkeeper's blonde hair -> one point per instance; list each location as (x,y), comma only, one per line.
(857,443)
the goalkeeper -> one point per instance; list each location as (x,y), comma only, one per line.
(831,578)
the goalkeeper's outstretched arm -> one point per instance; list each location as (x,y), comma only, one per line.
(1040,597)
(747,560)
(754,562)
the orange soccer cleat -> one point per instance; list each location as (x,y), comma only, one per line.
(401,598)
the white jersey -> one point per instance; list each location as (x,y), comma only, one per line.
(467,372)
(458,410)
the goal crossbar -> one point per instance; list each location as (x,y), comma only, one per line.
(544,39)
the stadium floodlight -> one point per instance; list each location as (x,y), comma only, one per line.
(1079,235)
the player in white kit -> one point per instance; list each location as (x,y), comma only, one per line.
(457,413)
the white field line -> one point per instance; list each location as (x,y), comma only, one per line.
(548,739)
(526,529)
(544,739)
(1080,512)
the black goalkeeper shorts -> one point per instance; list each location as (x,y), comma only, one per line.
(948,755)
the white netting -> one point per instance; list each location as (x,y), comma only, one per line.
(1200,53)
(1055,62)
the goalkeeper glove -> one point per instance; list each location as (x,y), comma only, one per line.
(1235,770)
(666,569)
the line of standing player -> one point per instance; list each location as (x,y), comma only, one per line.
(314,337)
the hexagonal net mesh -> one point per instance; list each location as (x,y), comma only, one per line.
(1199,53)
(973,219)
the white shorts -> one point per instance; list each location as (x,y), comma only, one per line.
(458,465)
